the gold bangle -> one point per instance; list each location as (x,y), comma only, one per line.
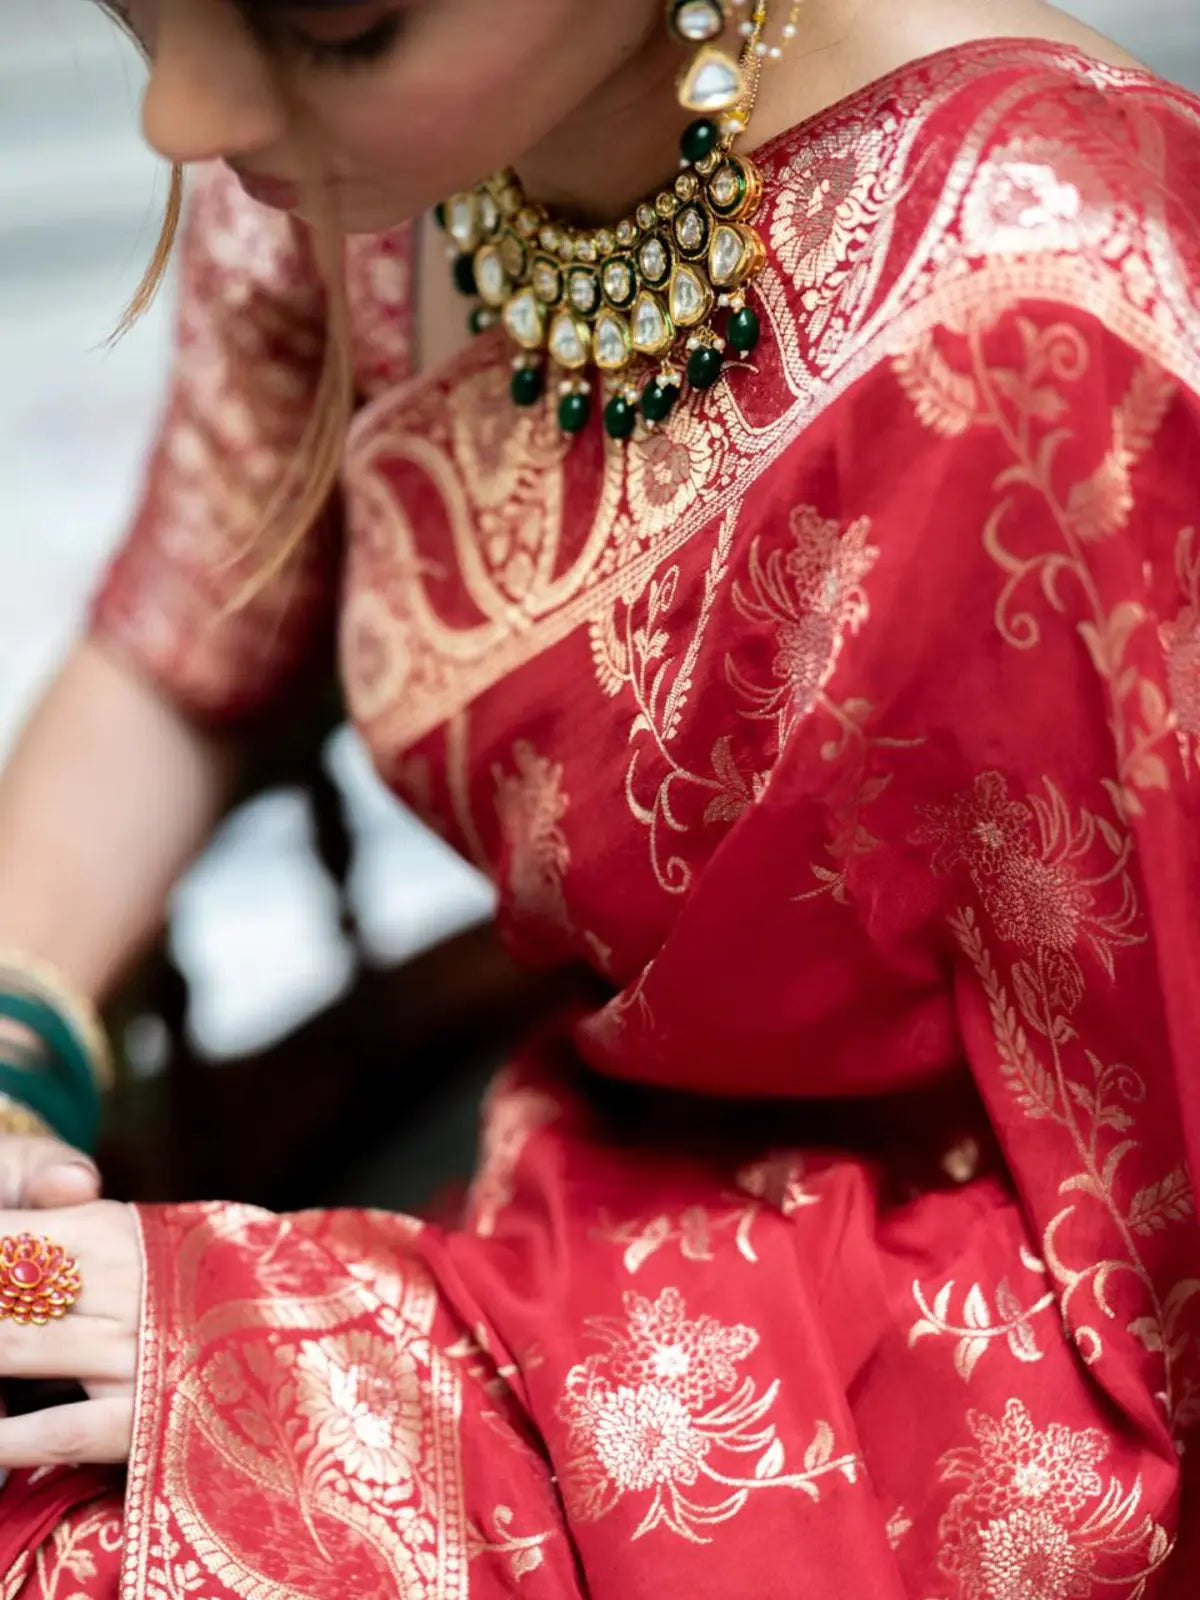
(50,985)
(16,1118)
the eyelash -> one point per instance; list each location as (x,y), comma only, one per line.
(359,50)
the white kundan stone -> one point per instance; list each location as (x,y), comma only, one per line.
(490,277)
(713,82)
(611,341)
(654,260)
(569,341)
(524,319)
(618,281)
(700,21)
(689,229)
(691,298)
(726,256)
(651,328)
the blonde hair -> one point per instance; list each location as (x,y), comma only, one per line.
(303,494)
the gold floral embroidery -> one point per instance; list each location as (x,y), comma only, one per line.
(813,596)
(531,805)
(525,1553)
(64,1566)
(513,1114)
(1025,407)
(659,1411)
(1036,1519)
(362,1398)
(1036,193)
(830,227)
(693,1230)
(980,1326)
(1044,875)
(1181,646)
(1029,862)
(631,652)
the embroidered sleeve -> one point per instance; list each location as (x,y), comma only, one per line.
(249,347)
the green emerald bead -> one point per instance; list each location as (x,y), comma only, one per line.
(704,367)
(480,319)
(464,275)
(743,330)
(620,418)
(528,386)
(573,412)
(439,215)
(658,401)
(700,139)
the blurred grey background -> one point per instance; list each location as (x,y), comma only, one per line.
(79,206)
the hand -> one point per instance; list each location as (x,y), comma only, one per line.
(42,1173)
(94,1345)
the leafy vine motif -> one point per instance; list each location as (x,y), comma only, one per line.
(1033,864)
(812,596)
(661,1413)
(1025,407)
(525,1552)
(633,653)
(776,1183)
(979,1325)
(1181,645)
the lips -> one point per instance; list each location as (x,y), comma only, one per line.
(278,193)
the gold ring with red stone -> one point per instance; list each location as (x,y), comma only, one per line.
(39,1281)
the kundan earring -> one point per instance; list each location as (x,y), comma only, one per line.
(660,297)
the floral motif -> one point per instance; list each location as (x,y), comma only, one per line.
(657,1410)
(1181,645)
(1036,193)
(1028,860)
(531,805)
(1036,1519)
(825,226)
(513,1115)
(362,1395)
(813,596)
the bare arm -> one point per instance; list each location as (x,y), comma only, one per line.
(108,796)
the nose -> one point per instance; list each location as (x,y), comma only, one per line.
(211,91)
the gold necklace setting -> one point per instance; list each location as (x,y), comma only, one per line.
(656,301)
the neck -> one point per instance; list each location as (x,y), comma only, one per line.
(620,144)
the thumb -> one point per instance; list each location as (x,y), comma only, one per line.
(55,1175)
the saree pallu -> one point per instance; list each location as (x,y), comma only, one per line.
(849,728)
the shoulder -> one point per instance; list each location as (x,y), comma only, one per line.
(1005,174)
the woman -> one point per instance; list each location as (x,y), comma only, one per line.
(842,713)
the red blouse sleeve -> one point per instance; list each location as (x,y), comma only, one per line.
(248,354)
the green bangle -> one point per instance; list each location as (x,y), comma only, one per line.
(65,1095)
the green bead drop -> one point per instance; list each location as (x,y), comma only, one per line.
(528,386)
(480,319)
(439,215)
(658,401)
(743,330)
(620,418)
(704,367)
(700,139)
(573,412)
(464,275)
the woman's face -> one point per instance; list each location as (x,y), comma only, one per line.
(393,104)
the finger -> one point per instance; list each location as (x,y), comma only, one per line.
(102,1240)
(90,1433)
(43,1173)
(85,1349)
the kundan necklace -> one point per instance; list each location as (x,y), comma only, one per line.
(657,298)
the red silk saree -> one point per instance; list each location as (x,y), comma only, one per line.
(849,729)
